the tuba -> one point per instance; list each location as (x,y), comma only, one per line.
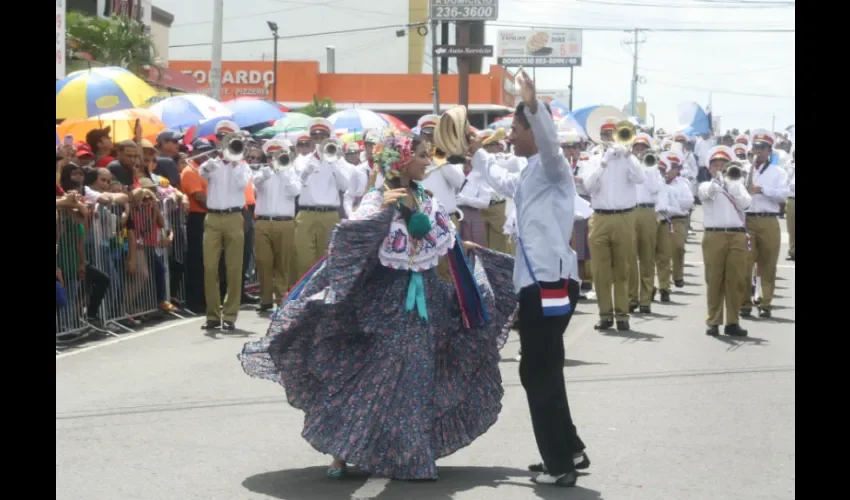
(624,131)
(331,149)
(233,146)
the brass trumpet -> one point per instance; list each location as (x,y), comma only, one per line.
(650,159)
(624,132)
(233,146)
(331,149)
(733,171)
(281,161)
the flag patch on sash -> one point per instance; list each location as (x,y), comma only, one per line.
(555,302)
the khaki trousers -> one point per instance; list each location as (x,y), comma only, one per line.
(642,270)
(312,233)
(443,265)
(790,219)
(612,245)
(765,239)
(664,255)
(494,220)
(677,247)
(274,254)
(725,257)
(223,232)
(585,272)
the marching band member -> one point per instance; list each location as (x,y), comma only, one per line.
(473,196)
(768,186)
(571,143)
(724,243)
(494,215)
(791,205)
(318,206)
(642,271)
(740,152)
(613,197)
(274,249)
(742,139)
(667,203)
(680,204)
(357,180)
(227,179)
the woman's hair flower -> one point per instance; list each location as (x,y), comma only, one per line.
(393,151)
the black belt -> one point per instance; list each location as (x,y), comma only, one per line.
(275,218)
(646,205)
(233,210)
(496,202)
(611,212)
(762,214)
(302,208)
(678,217)
(725,230)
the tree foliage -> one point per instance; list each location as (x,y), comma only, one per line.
(117,41)
(319,107)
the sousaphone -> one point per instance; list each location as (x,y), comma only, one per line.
(597,118)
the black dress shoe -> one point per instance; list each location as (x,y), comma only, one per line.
(567,480)
(211,324)
(265,308)
(645,310)
(713,330)
(764,313)
(228,325)
(735,331)
(623,325)
(665,296)
(679,283)
(746,312)
(247,298)
(580,462)
(604,324)
(586,286)
(633,306)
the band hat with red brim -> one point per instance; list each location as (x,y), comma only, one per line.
(569,138)
(226,127)
(273,145)
(763,136)
(584,156)
(608,123)
(427,121)
(319,125)
(721,153)
(742,139)
(643,138)
(740,147)
(680,136)
(669,158)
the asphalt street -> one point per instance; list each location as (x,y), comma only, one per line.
(667,413)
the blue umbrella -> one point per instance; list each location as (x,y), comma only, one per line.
(579,117)
(556,104)
(182,111)
(248,112)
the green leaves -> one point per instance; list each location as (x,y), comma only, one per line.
(319,107)
(117,41)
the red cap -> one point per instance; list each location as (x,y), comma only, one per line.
(84,150)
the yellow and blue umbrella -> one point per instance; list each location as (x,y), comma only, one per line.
(92,92)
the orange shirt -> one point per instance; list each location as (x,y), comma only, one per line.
(191,182)
(250,199)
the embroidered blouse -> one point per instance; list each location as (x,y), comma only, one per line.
(396,251)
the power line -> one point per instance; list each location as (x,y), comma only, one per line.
(725,5)
(721,91)
(655,30)
(305,35)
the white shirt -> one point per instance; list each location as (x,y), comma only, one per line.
(680,199)
(792,182)
(774,184)
(579,170)
(702,147)
(322,182)
(358,180)
(476,192)
(544,193)
(718,211)
(276,192)
(613,187)
(647,193)
(226,183)
(444,182)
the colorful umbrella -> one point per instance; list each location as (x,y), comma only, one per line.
(395,122)
(186,110)
(249,112)
(351,137)
(121,122)
(357,120)
(91,92)
(292,122)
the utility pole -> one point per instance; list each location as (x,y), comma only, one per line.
(463,64)
(215,66)
(435,68)
(571,88)
(635,77)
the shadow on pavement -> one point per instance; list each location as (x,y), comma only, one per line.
(568,363)
(633,335)
(310,483)
(735,343)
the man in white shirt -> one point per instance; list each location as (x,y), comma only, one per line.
(274,246)
(318,206)
(768,186)
(474,196)
(724,243)
(571,144)
(673,231)
(227,179)
(642,270)
(613,197)
(791,206)
(545,203)
(494,214)
(357,179)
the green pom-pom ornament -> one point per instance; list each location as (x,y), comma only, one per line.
(419,225)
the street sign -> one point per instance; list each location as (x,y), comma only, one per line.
(539,48)
(463,51)
(464,10)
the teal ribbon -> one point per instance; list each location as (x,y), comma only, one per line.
(416,295)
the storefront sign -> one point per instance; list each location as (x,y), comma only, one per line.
(238,79)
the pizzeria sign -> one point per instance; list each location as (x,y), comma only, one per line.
(539,48)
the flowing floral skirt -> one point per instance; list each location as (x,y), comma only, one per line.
(382,388)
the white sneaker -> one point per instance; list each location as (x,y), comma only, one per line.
(566,480)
